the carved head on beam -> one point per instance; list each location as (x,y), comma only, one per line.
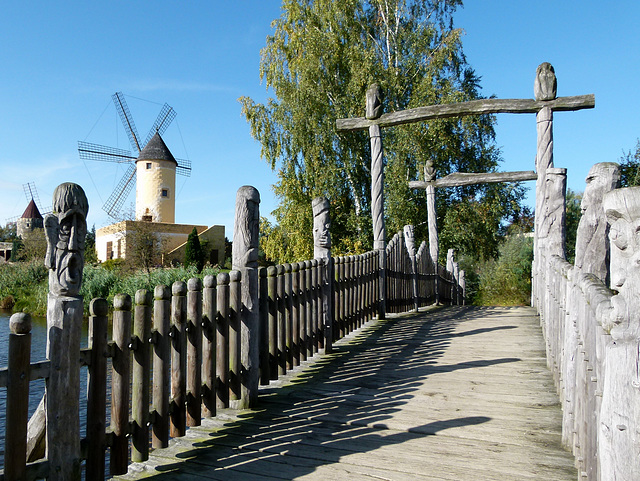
(374,102)
(65,231)
(622,208)
(246,228)
(321,225)
(545,86)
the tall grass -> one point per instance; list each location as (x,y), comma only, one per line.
(24,285)
(506,281)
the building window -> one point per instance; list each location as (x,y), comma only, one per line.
(165,192)
(148,165)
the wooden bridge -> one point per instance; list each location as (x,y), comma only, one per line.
(458,393)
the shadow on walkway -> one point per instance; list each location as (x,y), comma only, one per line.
(342,405)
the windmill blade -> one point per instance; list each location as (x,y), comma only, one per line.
(114,203)
(127,120)
(164,119)
(184,167)
(103,153)
(30,192)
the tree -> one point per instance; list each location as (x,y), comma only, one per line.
(319,62)
(572,219)
(144,247)
(630,167)
(8,233)
(193,254)
(90,253)
(33,245)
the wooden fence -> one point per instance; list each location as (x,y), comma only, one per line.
(596,375)
(174,354)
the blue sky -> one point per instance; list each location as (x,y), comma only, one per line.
(60,62)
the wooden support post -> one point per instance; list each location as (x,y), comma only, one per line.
(222,342)
(288,316)
(178,419)
(282,333)
(264,326)
(308,289)
(295,314)
(302,312)
(120,381)
(141,376)
(194,352)
(97,389)
(209,309)
(161,366)
(272,286)
(17,408)
(235,304)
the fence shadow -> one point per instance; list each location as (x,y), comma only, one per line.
(348,402)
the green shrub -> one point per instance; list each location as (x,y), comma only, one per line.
(506,281)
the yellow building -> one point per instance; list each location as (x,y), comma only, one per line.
(155,212)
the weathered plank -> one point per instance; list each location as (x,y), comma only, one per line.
(473,107)
(459,179)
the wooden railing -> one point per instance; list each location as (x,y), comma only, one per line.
(175,355)
(594,373)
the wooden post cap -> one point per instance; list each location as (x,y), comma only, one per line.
(20,323)
(99,307)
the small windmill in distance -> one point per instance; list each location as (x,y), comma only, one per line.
(88,151)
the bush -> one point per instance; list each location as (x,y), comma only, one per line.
(506,281)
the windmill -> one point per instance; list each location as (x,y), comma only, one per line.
(31,194)
(88,151)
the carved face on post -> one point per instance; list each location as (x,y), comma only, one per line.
(409,240)
(246,228)
(321,225)
(602,178)
(65,231)
(546,85)
(622,207)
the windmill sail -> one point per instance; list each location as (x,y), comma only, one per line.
(114,203)
(127,120)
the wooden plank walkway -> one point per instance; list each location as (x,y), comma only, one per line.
(458,393)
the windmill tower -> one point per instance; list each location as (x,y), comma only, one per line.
(154,166)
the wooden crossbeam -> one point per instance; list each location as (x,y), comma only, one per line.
(459,179)
(473,107)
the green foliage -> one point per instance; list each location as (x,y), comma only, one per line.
(8,232)
(573,214)
(630,168)
(90,253)
(24,284)
(506,281)
(319,62)
(194,255)
(33,246)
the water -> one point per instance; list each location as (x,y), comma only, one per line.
(36,388)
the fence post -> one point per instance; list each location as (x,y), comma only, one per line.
(178,418)
(272,332)
(120,376)
(17,412)
(161,366)
(141,376)
(235,304)
(194,352)
(97,389)
(282,333)
(209,306)
(295,314)
(222,342)
(263,310)
(288,316)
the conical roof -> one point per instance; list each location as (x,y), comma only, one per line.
(156,149)
(32,212)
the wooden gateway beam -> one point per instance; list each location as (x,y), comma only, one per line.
(473,107)
(459,179)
